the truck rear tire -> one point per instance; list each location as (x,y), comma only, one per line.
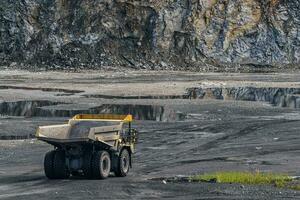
(123,164)
(59,165)
(48,164)
(101,164)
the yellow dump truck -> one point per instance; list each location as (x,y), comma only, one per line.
(89,145)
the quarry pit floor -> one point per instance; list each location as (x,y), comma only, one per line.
(179,134)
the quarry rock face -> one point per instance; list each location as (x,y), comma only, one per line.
(151,34)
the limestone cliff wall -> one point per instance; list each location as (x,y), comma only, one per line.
(181,34)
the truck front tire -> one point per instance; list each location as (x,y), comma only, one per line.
(101,164)
(123,163)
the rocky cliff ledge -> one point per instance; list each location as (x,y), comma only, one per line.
(151,34)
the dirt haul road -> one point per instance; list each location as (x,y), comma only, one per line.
(181,132)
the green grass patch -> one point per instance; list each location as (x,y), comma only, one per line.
(277,179)
(295,186)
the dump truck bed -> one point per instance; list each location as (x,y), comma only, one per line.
(85,128)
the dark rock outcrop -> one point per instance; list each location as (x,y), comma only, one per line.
(182,34)
(284,97)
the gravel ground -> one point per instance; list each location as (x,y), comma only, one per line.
(214,135)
